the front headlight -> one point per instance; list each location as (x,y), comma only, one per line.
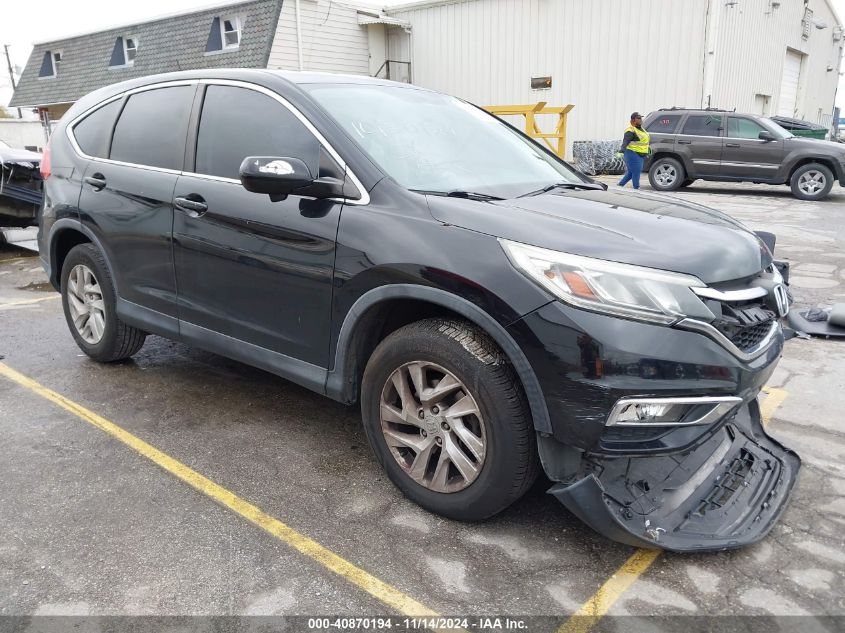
(633,292)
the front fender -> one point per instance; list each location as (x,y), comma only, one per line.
(340,383)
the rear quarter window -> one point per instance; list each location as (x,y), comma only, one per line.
(663,123)
(152,128)
(93,133)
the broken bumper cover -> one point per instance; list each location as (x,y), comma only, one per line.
(726,493)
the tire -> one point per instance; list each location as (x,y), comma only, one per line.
(509,463)
(666,174)
(102,335)
(687,183)
(812,181)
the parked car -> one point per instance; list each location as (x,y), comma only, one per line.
(20,186)
(492,310)
(733,147)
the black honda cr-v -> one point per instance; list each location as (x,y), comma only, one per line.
(492,310)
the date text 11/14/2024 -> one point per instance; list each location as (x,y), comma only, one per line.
(418,624)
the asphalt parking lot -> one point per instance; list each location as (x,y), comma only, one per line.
(91,525)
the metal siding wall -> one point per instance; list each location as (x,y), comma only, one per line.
(608,57)
(332,40)
(752,47)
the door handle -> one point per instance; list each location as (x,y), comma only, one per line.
(193,204)
(732,145)
(97,181)
(683,142)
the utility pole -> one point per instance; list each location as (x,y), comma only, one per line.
(11,74)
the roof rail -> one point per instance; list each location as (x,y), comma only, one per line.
(695,109)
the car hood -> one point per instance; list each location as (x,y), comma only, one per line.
(816,145)
(633,228)
(19,156)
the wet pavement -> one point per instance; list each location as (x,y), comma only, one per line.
(88,526)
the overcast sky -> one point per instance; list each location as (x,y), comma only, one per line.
(24,22)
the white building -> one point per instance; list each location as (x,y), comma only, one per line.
(611,57)
(607,57)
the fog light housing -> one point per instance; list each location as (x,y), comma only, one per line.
(671,411)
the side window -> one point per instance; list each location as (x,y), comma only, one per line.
(739,127)
(663,124)
(93,132)
(703,125)
(153,126)
(239,122)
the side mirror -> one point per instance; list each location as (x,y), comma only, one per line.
(281,176)
(765,135)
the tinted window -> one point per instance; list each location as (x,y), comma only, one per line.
(703,125)
(92,133)
(152,128)
(238,122)
(743,128)
(663,124)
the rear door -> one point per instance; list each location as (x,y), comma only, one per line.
(700,143)
(745,155)
(127,198)
(251,269)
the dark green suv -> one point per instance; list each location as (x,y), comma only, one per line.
(730,146)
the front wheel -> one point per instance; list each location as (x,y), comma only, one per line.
(447,419)
(811,182)
(666,174)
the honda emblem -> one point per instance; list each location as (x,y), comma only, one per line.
(781,300)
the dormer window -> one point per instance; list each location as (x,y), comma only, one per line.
(130,47)
(225,34)
(124,51)
(230,28)
(50,64)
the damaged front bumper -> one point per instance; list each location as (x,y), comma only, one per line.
(725,493)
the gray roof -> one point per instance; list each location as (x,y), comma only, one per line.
(166,44)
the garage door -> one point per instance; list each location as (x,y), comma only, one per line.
(789,84)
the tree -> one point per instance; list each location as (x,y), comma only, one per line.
(5,114)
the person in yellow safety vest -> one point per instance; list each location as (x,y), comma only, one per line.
(634,150)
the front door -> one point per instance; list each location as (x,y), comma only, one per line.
(700,143)
(747,156)
(247,268)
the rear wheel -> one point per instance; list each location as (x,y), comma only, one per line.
(666,174)
(447,419)
(88,299)
(811,182)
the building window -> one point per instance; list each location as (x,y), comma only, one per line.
(49,64)
(130,47)
(124,51)
(230,31)
(225,34)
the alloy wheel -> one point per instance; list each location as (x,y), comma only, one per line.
(85,302)
(665,175)
(433,426)
(811,182)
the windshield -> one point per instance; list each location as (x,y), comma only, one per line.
(428,141)
(777,129)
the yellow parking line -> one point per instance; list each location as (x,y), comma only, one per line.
(15,260)
(774,398)
(602,600)
(599,604)
(25,302)
(380,590)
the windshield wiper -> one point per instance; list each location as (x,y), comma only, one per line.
(460,193)
(563,185)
